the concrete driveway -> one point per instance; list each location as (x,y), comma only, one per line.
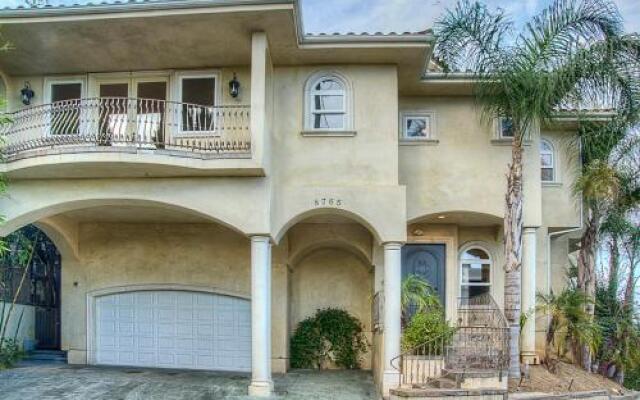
(65,382)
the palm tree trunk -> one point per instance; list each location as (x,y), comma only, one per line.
(513,253)
(614,259)
(629,290)
(586,272)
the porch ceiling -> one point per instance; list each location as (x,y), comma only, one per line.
(216,37)
(460,218)
(63,45)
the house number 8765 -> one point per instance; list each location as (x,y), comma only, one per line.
(328,201)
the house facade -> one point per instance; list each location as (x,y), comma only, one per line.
(211,175)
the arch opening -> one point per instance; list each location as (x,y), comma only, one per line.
(30,276)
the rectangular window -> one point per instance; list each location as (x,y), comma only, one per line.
(417,126)
(65,107)
(198,98)
(505,128)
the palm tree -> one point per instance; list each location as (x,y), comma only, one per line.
(570,326)
(417,296)
(608,192)
(571,53)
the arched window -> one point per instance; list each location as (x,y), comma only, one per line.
(547,162)
(475,272)
(327,103)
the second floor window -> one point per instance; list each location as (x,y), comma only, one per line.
(327,104)
(505,128)
(547,162)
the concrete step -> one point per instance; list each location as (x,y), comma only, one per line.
(47,355)
(438,394)
(443,383)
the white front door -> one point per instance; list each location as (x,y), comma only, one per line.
(174,329)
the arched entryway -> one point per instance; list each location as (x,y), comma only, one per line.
(163,285)
(330,265)
(30,272)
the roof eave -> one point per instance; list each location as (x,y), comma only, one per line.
(7,14)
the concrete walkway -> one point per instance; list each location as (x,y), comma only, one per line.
(65,382)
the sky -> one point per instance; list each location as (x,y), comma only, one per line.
(396,15)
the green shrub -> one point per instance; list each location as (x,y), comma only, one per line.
(425,326)
(330,335)
(10,353)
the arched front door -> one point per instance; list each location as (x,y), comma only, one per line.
(426,261)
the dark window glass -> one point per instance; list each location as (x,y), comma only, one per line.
(198,94)
(65,112)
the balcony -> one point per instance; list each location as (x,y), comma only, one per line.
(129,125)
(127,137)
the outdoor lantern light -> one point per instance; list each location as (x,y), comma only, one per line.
(27,94)
(234,86)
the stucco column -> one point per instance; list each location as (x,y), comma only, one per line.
(261,383)
(528,344)
(392,312)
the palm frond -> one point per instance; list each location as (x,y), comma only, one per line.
(563,28)
(471,38)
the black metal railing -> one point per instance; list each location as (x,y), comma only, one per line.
(127,122)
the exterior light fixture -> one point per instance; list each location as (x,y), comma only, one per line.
(442,216)
(234,86)
(27,94)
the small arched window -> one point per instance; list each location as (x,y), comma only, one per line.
(327,103)
(475,272)
(547,162)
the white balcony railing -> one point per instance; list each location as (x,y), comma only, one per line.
(117,123)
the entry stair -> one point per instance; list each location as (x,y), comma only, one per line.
(47,356)
(470,364)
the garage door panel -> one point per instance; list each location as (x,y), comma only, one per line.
(174,329)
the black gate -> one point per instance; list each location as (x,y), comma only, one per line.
(48,328)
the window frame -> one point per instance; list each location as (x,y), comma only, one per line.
(217,98)
(309,104)
(553,166)
(49,81)
(499,133)
(489,261)
(431,138)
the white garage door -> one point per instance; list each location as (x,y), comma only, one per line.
(174,329)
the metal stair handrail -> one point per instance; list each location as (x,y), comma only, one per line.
(422,363)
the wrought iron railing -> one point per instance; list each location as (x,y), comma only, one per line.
(480,343)
(420,365)
(482,339)
(119,122)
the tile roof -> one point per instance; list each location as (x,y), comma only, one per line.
(380,34)
(80,3)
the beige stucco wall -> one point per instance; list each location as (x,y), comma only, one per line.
(561,207)
(214,258)
(332,278)
(193,255)
(465,170)
(367,177)
(367,158)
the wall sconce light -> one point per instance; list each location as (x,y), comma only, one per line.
(27,94)
(234,86)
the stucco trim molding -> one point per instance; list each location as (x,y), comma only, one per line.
(94,294)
